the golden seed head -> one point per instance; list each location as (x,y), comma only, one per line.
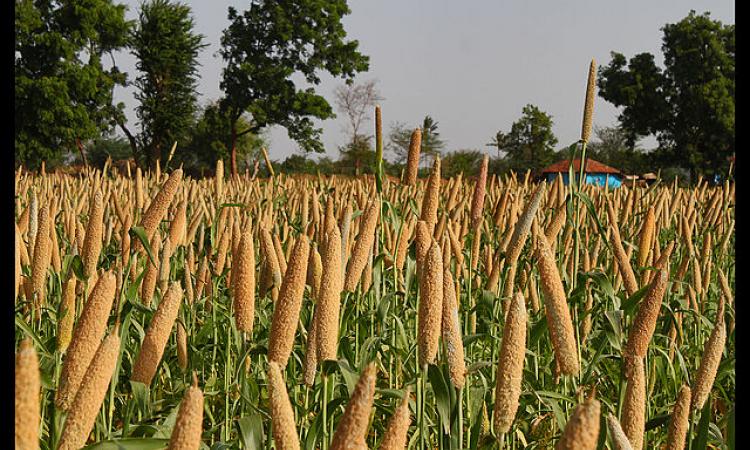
(396,433)
(92,243)
(270,257)
(622,258)
(287,307)
(430,305)
(182,351)
(619,439)
(352,428)
(362,247)
(244,284)
(282,414)
(644,324)
(66,315)
(556,309)
(157,335)
(178,227)
(331,285)
(28,387)
(704,379)
(451,326)
(87,335)
(412,160)
(89,398)
(42,254)
(646,237)
(159,205)
(148,284)
(423,242)
(582,430)
(523,225)
(679,421)
(188,428)
(588,108)
(311,350)
(510,365)
(633,417)
(477,201)
(431,199)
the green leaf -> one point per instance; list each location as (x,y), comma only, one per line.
(130,444)
(251,431)
(141,396)
(701,438)
(592,211)
(140,233)
(77,265)
(442,396)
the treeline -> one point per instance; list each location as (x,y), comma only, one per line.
(66,73)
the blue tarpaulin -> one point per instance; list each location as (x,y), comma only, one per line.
(599,179)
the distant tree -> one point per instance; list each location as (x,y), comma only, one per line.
(208,141)
(611,148)
(269,43)
(63,91)
(400,137)
(107,146)
(358,156)
(530,143)
(688,105)
(296,163)
(464,161)
(167,51)
(356,101)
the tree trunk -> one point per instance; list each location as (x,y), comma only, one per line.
(234,149)
(83,154)
(131,139)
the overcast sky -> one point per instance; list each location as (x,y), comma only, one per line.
(471,65)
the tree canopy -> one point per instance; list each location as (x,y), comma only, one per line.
(400,137)
(209,141)
(688,105)
(530,143)
(63,90)
(167,49)
(270,42)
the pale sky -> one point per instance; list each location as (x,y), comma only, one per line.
(472,65)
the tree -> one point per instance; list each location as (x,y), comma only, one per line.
(530,143)
(689,104)
(63,92)
(357,154)
(356,101)
(166,48)
(400,137)
(208,142)
(107,146)
(466,161)
(266,45)
(611,148)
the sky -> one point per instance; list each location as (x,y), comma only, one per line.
(471,65)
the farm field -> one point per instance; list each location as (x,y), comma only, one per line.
(157,310)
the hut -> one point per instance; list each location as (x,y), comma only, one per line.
(594,172)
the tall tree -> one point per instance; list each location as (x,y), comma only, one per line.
(466,161)
(611,147)
(689,104)
(530,143)
(208,140)
(63,90)
(356,101)
(400,137)
(167,49)
(269,43)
